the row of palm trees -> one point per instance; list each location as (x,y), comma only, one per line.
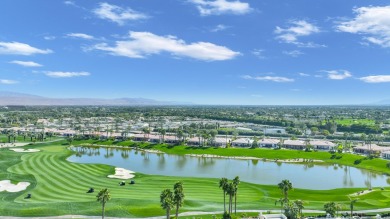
(170,200)
(229,189)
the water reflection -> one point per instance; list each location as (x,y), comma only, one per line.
(306,175)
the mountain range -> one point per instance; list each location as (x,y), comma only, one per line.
(13,98)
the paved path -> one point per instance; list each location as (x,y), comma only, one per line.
(188,214)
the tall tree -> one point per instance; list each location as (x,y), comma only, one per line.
(223,185)
(299,205)
(284,187)
(236,181)
(166,201)
(230,192)
(103,197)
(178,196)
(351,205)
(330,208)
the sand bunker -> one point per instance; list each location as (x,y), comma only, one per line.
(24,150)
(7,186)
(121,173)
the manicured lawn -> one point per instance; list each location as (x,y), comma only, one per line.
(348,122)
(60,187)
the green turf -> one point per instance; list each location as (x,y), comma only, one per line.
(59,188)
(348,122)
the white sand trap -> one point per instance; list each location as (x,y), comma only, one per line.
(121,173)
(7,186)
(24,150)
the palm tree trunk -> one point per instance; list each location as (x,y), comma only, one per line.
(103,206)
(224,201)
(177,210)
(235,203)
(230,204)
(168,213)
(351,211)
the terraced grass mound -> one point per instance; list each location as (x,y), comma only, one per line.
(59,187)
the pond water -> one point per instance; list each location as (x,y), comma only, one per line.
(307,176)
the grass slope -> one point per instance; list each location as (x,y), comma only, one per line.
(59,188)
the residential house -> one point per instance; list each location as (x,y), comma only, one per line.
(220,142)
(170,139)
(242,142)
(269,143)
(386,155)
(373,148)
(294,144)
(140,137)
(155,138)
(194,141)
(323,145)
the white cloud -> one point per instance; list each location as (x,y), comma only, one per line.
(268,78)
(218,7)
(49,37)
(80,35)
(118,14)
(26,63)
(69,3)
(16,48)
(60,74)
(298,28)
(219,27)
(376,79)
(293,53)
(6,81)
(303,74)
(338,74)
(259,53)
(372,22)
(142,44)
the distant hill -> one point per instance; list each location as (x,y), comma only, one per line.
(13,98)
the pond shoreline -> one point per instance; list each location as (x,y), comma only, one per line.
(296,160)
(265,172)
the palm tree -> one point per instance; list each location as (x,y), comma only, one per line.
(230,192)
(223,184)
(166,200)
(281,204)
(103,197)
(299,205)
(163,132)
(178,196)
(351,204)
(285,186)
(370,138)
(339,207)
(236,181)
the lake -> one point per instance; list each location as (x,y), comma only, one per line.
(309,176)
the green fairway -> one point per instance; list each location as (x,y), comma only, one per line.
(348,122)
(60,187)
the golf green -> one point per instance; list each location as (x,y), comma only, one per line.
(59,187)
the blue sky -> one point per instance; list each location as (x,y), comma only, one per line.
(202,51)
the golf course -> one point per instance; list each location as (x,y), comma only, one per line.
(59,187)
